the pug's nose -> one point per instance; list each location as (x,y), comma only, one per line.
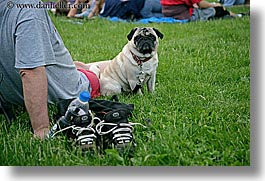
(146,46)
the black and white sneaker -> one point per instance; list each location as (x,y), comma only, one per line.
(117,131)
(85,137)
(84,132)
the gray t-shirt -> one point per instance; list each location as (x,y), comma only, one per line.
(28,39)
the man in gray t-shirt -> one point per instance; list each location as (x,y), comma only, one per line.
(35,66)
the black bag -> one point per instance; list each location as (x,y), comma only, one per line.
(101,107)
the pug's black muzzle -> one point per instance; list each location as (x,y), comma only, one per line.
(145,44)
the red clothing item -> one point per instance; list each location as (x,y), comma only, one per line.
(188,3)
(94,82)
(178,2)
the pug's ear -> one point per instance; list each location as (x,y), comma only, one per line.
(158,33)
(130,35)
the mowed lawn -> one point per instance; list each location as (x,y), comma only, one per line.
(200,112)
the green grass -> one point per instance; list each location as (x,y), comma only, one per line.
(200,112)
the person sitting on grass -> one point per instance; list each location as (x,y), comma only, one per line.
(93,8)
(128,9)
(79,7)
(37,69)
(195,10)
(63,7)
(35,66)
(123,9)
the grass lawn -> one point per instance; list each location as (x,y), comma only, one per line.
(200,112)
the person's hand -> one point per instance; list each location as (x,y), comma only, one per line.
(195,5)
(91,14)
(205,4)
(216,4)
(94,12)
(41,133)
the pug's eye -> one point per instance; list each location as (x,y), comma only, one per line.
(136,39)
(152,37)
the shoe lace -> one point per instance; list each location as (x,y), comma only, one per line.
(77,130)
(122,132)
(61,130)
(85,135)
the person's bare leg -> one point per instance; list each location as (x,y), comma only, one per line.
(72,12)
(73,9)
(233,14)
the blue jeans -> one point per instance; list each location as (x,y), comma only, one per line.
(152,8)
(87,11)
(228,3)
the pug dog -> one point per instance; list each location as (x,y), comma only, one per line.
(134,67)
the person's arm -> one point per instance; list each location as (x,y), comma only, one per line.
(35,90)
(96,9)
(206,4)
(74,8)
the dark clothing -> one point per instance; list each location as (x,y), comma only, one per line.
(152,8)
(180,11)
(183,9)
(123,9)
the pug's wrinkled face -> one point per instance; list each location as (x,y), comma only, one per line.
(145,39)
